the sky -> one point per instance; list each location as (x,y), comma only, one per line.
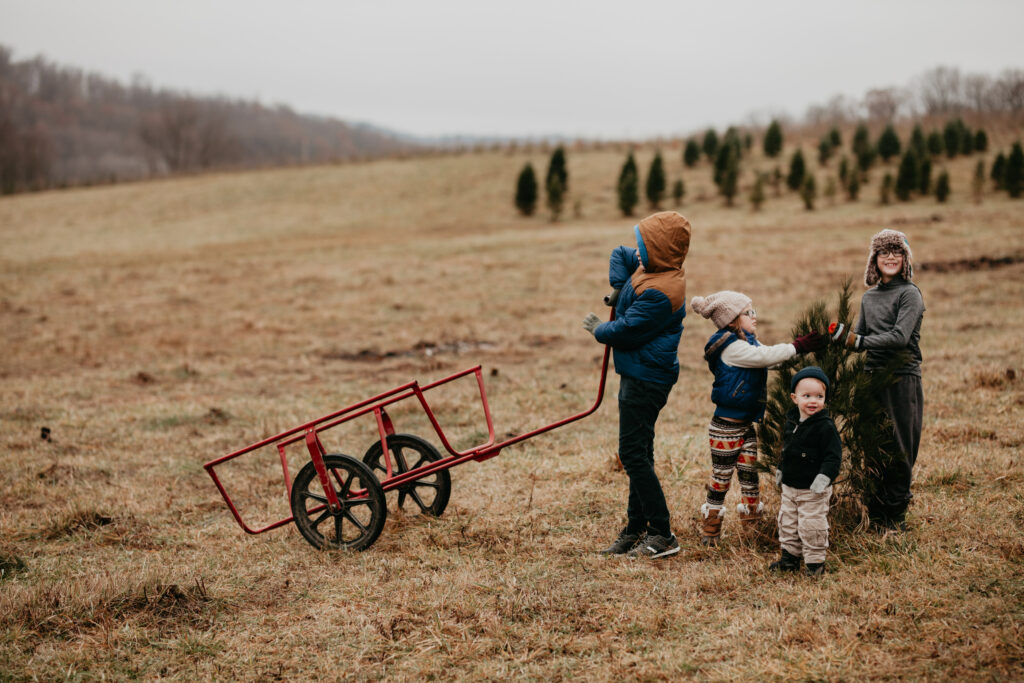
(628,69)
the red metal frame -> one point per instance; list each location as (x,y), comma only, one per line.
(309,433)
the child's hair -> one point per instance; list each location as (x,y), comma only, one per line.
(735,327)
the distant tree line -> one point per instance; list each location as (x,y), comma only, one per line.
(940,91)
(62,126)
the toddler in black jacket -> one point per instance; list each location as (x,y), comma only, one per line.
(811,455)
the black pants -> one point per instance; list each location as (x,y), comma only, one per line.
(890,493)
(639,405)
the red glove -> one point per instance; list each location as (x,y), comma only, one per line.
(836,334)
(811,341)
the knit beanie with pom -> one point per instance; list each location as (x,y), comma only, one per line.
(721,307)
(888,240)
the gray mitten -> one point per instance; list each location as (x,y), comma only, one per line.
(591,322)
(820,483)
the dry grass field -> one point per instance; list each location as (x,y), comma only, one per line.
(155,326)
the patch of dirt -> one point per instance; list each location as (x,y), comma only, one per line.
(82,520)
(217,416)
(963,433)
(423,349)
(972,264)
(58,473)
(539,340)
(934,218)
(993,379)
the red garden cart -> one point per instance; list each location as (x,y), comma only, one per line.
(337,501)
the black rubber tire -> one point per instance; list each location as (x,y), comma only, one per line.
(359,521)
(430,494)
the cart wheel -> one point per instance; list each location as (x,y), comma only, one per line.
(429,494)
(363,509)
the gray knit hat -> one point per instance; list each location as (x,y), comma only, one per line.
(888,240)
(721,307)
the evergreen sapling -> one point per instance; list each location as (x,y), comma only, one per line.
(885,191)
(942,188)
(998,174)
(797,170)
(925,175)
(978,182)
(628,187)
(655,188)
(853,185)
(888,144)
(526,191)
(1014,179)
(692,153)
(909,177)
(809,191)
(710,144)
(980,141)
(757,192)
(556,197)
(678,192)
(773,140)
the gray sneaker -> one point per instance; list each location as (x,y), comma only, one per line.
(623,544)
(653,547)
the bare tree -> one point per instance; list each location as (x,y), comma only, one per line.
(941,90)
(883,104)
(1008,91)
(26,155)
(839,110)
(186,135)
(978,92)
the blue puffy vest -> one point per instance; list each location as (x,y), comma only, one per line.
(738,393)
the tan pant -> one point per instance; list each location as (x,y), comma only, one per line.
(803,523)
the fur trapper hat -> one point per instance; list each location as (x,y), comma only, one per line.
(888,240)
(721,307)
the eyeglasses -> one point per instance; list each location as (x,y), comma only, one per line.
(751,313)
(886,253)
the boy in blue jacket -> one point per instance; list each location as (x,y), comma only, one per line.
(644,338)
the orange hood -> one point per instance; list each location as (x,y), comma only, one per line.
(663,240)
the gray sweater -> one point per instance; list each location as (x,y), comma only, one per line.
(890,322)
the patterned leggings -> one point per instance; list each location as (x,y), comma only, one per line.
(733,447)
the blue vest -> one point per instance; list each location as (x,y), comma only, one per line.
(738,393)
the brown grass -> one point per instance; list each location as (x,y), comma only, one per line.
(154,326)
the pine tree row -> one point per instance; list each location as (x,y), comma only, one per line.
(913,176)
